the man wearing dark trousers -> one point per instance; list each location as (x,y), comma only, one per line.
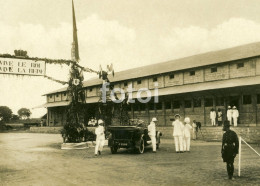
(229,148)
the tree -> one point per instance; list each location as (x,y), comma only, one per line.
(24,113)
(5,114)
(14,117)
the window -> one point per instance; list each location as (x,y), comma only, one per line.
(176,104)
(208,102)
(192,73)
(247,99)
(139,82)
(214,69)
(65,94)
(187,103)
(168,105)
(219,101)
(158,106)
(240,65)
(57,95)
(142,107)
(125,84)
(258,98)
(197,102)
(50,96)
(90,89)
(171,76)
(155,79)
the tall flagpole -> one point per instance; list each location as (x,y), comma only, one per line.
(75,46)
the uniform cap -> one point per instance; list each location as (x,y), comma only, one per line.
(100,121)
(187,120)
(154,119)
(177,115)
(234,107)
(229,107)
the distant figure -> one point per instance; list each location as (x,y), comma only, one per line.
(100,139)
(186,135)
(229,115)
(229,148)
(219,117)
(235,115)
(178,133)
(194,130)
(152,133)
(213,117)
(91,122)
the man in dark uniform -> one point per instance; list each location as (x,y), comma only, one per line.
(229,148)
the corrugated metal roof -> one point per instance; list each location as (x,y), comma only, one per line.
(209,58)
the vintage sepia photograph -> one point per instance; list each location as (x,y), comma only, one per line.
(129,92)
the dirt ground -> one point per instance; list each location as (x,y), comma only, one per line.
(36,159)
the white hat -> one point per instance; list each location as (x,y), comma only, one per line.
(100,121)
(234,107)
(229,106)
(187,120)
(154,119)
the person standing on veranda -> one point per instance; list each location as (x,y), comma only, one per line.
(220,116)
(178,133)
(100,137)
(152,133)
(229,115)
(213,117)
(186,135)
(235,115)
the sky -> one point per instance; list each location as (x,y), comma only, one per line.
(126,33)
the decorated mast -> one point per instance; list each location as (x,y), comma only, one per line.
(74,123)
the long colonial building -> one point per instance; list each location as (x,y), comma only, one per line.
(189,86)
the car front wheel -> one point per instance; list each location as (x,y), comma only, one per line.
(140,149)
(113,149)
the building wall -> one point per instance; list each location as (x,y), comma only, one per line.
(176,80)
(57,97)
(50,98)
(198,77)
(144,84)
(222,73)
(64,96)
(249,68)
(159,82)
(92,91)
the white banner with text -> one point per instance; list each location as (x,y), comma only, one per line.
(22,67)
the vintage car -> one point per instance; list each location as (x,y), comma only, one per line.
(131,137)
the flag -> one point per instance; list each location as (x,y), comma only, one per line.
(75,47)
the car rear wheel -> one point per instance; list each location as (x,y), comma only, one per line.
(113,149)
(140,149)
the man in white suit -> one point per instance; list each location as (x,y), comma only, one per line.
(152,132)
(235,115)
(100,137)
(178,133)
(229,115)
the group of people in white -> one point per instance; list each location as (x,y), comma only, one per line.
(181,134)
(232,116)
(181,131)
